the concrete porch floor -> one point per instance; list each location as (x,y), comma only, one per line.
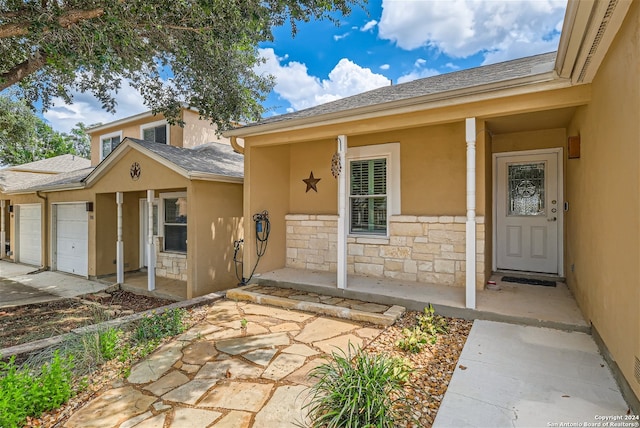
(166,288)
(540,306)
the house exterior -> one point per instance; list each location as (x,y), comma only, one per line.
(158,198)
(529,165)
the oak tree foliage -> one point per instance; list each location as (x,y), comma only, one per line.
(200,53)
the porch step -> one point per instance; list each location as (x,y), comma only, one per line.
(356,310)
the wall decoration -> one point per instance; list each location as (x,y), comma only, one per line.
(311,182)
(336,166)
(135,171)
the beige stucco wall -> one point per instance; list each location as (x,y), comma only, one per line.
(603,190)
(215,222)
(198,131)
(266,188)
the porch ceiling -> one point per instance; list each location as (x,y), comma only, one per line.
(547,119)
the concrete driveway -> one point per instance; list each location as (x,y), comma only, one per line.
(18,286)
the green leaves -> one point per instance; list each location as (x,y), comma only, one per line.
(209,47)
(358,389)
(25,393)
(24,137)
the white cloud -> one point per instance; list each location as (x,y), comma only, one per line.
(461,28)
(420,62)
(301,90)
(87,109)
(418,74)
(340,36)
(369,25)
(385,67)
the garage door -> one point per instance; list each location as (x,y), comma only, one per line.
(29,249)
(71,236)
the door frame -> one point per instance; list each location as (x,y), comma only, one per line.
(558,151)
(142,232)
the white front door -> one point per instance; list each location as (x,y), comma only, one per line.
(529,211)
(71,238)
(144,228)
(29,234)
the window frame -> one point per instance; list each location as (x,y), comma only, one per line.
(162,223)
(109,136)
(391,152)
(156,124)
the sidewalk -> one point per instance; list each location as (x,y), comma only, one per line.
(520,376)
(18,286)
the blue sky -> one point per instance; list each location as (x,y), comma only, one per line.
(392,41)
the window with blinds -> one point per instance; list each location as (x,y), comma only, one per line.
(368,196)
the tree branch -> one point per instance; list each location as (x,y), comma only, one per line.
(66,20)
(22,70)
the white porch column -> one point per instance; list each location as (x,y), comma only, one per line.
(470,238)
(151,253)
(119,243)
(2,231)
(342,213)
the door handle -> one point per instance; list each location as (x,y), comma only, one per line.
(552,219)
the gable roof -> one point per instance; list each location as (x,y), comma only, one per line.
(18,177)
(537,68)
(211,161)
(54,165)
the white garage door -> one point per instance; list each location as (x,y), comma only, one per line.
(29,249)
(71,236)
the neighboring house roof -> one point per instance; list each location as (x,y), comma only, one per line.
(210,158)
(534,68)
(63,181)
(211,161)
(18,177)
(54,165)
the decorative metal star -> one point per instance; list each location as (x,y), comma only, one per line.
(311,182)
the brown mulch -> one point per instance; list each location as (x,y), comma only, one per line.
(24,324)
(433,366)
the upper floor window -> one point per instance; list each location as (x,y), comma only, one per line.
(108,143)
(156,132)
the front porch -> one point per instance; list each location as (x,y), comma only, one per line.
(137,282)
(552,307)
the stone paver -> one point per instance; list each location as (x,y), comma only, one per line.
(247,396)
(324,328)
(111,408)
(193,418)
(241,345)
(235,419)
(190,392)
(217,374)
(283,365)
(157,364)
(229,369)
(284,409)
(339,344)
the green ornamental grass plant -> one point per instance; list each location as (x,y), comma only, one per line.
(357,389)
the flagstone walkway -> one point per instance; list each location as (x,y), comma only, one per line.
(218,374)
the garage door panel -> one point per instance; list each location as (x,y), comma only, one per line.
(30,234)
(71,239)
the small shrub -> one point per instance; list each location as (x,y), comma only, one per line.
(413,340)
(158,326)
(108,342)
(432,324)
(358,389)
(25,393)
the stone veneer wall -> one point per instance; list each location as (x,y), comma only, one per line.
(170,265)
(419,248)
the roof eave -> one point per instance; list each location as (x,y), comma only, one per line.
(206,176)
(46,189)
(529,84)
